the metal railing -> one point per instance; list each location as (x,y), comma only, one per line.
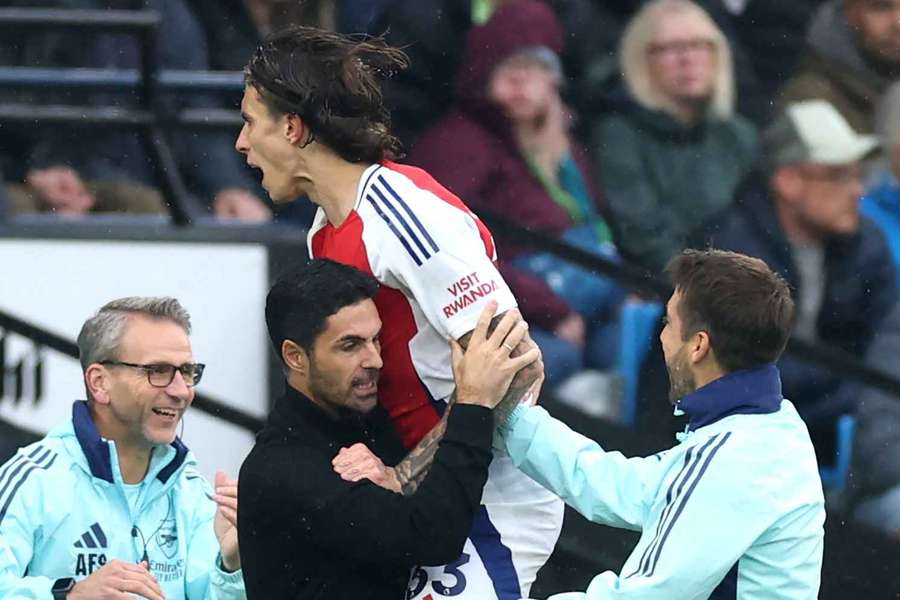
(149,119)
(642,281)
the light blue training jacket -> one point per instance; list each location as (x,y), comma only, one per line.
(64,513)
(735,510)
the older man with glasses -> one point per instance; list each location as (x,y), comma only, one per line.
(109,504)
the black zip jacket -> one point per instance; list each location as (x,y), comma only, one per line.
(307,534)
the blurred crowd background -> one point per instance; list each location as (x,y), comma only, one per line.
(629,130)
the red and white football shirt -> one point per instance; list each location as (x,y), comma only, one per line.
(434,260)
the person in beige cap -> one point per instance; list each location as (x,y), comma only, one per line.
(800,213)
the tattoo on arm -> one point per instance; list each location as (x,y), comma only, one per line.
(414,467)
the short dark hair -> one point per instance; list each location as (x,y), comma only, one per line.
(333,82)
(745,308)
(302,299)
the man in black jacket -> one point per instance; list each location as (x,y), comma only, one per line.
(304,531)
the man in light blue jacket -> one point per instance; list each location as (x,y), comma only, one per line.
(736,509)
(109,505)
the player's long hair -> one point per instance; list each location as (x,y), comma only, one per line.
(332,82)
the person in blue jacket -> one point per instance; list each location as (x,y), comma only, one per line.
(109,504)
(736,509)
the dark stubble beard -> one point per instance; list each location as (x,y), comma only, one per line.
(331,394)
(681,379)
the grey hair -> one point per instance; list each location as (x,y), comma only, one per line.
(101,335)
(635,67)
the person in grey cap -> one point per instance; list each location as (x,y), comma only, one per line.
(800,214)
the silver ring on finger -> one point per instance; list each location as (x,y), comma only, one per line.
(507,346)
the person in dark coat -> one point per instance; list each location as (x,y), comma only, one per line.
(307,527)
(505,148)
(802,217)
(676,153)
(852,57)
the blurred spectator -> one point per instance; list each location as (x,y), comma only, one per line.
(233,28)
(882,200)
(853,56)
(59,190)
(802,218)
(61,160)
(432,33)
(677,153)
(766,40)
(505,149)
(874,482)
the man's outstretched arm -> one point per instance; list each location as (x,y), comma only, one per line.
(406,476)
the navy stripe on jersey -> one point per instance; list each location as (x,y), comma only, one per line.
(692,459)
(31,464)
(92,538)
(399,218)
(495,556)
(98,532)
(393,229)
(14,467)
(685,467)
(88,539)
(409,211)
(687,496)
(18,458)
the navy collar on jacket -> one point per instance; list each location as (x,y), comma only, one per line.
(748,392)
(96,449)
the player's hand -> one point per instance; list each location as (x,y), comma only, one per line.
(484,372)
(118,580)
(240,205)
(60,190)
(225,523)
(358,462)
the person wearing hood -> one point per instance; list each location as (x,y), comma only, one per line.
(853,56)
(676,154)
(110,504)
(506,149)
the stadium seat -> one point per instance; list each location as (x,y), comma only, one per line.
(834,477)
(638,325)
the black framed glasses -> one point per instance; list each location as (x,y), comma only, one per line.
(161,374)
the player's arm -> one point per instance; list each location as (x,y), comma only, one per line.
(604,486)
(412,469)
(358,462)
(436,253)
(429,527)
(709,523)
